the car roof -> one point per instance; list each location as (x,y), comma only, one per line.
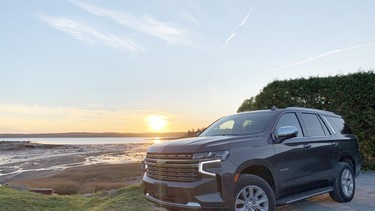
(296,109)
(312,110)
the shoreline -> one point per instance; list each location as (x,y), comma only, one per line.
(28,160)
(92,135)
(81,140)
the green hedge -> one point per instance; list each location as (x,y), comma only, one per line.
(351,96)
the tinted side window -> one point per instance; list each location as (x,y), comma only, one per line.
(289,119)
(340,124)
(325,127)
(313,125)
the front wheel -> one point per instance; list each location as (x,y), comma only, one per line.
(344,185)
(253,193)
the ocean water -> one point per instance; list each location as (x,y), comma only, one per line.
(114,140)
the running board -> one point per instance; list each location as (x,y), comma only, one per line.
(304,195)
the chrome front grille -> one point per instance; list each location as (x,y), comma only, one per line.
(169,156)
(172,167)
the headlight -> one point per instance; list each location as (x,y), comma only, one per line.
(211,159)
(220,155)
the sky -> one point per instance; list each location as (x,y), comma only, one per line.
(163,65)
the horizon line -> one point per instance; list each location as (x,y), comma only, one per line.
(87,134)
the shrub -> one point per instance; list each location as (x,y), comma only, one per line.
(67,188)
(351,96)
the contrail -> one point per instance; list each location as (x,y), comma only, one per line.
(319,56)
(245,19)
(237,27)
(227,41)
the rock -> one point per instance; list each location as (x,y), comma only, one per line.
(46,191)
(108,192)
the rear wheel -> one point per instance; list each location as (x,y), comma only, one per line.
(253,193)
(344,185)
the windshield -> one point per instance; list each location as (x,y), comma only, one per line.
(239,124)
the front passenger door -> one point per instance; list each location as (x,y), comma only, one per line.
(296,158)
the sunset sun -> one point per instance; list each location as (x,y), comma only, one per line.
(156,123)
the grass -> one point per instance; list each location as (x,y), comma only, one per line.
(130,198)
(87,179)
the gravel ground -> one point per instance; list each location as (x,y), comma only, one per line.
(364,198)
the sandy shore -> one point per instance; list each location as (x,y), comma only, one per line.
(20,160)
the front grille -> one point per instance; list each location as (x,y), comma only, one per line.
(169,156)
(173,174)
(172,167)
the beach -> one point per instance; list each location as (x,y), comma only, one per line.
(27,160)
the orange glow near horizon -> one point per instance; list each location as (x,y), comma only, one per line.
(30,119)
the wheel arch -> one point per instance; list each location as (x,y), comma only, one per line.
(347,158)
(260,169)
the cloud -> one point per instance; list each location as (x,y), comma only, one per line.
(319,57)
(189,17)
(243,22)
(89,35)
(171,33)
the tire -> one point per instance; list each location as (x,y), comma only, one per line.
(344,185)
(253,192)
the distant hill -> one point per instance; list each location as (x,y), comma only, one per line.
(92,135)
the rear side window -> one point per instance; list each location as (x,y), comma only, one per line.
(340,125)
(314,125)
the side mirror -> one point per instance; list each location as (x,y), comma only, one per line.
(286,132)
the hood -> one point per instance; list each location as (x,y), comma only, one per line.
(196,144)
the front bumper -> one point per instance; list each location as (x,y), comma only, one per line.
(208,192)
(203,193)
(189,205)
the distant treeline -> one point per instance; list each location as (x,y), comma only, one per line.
(91,135)
(351,96)
(194,133)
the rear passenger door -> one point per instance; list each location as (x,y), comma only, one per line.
(326,149)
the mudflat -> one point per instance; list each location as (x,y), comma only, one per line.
(26,160)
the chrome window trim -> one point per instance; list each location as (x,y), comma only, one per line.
(329,125)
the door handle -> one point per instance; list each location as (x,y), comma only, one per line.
(307,146)
(334,144)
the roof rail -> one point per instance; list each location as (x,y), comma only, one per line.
(311,109)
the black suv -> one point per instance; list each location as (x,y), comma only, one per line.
(255,161)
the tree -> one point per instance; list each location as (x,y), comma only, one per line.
(247,105)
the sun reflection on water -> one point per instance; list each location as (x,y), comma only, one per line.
(156,140)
